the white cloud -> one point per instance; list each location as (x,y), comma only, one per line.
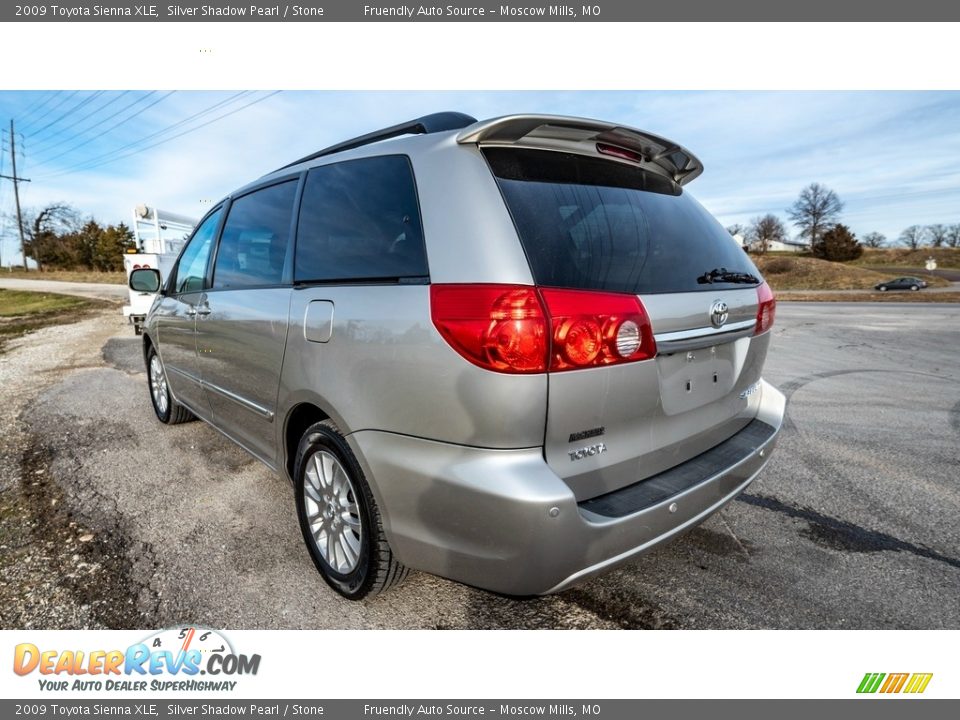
(894,157)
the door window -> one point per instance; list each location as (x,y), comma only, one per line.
(253,245)
(192,268)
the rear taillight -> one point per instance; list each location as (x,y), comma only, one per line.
(498,327)
(766,309)
(589,329)
(522,329)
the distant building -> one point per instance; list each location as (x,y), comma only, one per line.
(794,246)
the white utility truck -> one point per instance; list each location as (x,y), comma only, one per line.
(160,236)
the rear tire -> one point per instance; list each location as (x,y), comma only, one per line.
(168,410)
(339,517)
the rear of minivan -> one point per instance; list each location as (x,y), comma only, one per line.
(578,380)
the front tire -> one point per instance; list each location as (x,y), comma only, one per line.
(339,517)
(168,410)
(914,287)
(883,288)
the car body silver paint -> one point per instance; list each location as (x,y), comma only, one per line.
(483,517)
(172,322)
(468,466)
(240,346)
(387,368)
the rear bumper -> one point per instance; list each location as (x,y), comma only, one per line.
(504,521)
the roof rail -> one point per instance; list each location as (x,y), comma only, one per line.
(436,122)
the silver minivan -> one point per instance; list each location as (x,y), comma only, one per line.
(514,353)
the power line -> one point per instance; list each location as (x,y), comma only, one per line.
(31,112)
(113,127)
(77,122)
(185,132)
(108,157)
(175,125)
(76,107)
(61,103)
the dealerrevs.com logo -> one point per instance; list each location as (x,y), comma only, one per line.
(889,683)
(173,659)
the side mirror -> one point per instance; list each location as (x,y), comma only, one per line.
(145,280)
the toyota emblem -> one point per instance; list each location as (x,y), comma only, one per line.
(718,313)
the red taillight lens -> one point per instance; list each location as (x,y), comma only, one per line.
(766,309)
(596,328)
(498,327)
(518,329)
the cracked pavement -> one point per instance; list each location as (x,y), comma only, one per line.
(111,520)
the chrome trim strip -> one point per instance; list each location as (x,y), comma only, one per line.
(182,373)
(674,342)
(243,402)
(704,332)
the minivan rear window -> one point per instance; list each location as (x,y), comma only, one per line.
(593,224)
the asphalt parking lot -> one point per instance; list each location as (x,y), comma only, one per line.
(854,524)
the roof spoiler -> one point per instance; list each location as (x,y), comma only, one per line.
(437,122)
(557,132)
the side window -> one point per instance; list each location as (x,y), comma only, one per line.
(360,220)
(253,244)
(192,267)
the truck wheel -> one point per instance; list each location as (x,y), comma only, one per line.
(168,410)
(339,517)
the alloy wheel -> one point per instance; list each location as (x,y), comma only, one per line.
(333,515)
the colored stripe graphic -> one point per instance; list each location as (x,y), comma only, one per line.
(918,683)
(870,682)
(894,683)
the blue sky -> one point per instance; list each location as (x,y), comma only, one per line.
(893,157)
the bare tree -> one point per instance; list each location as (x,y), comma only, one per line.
(913,236)
(737,229)
(873,240)
(42,229)
(953,236)
(765,230)
(937,234)
(815,211)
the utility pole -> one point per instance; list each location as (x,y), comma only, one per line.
(16,193)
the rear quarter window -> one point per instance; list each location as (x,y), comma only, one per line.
(593,224)
(360,221)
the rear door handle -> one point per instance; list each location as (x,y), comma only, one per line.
(203,310)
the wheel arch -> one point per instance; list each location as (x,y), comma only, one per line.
(300,416)
(147,345)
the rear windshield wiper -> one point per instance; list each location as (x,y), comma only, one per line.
(722,275)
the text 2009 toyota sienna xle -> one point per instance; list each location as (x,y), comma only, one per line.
(513,352)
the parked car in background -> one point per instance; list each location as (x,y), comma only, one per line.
(514,353)
(901,283)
